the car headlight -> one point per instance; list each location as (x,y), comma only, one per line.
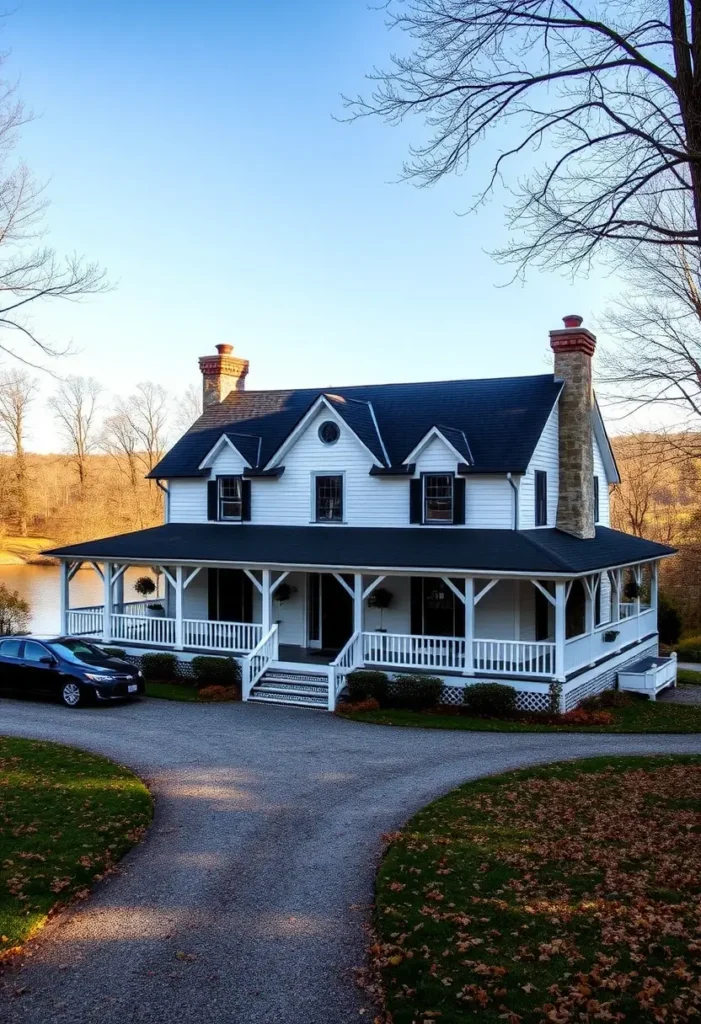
(95,678)
(140,674)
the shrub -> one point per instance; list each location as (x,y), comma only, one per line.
(14,612)
(606,699)
(669,621)
(367,685)
(219,693)
(495,699)
(159,666)
(216,671)
(414,692)
(690,649)
(114,652)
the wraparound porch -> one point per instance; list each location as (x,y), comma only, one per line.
(526,628)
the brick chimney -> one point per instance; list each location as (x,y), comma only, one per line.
(221,374)
(574,347)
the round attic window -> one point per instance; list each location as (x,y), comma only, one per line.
(329,432)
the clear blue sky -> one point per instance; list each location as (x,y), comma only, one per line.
(192,151)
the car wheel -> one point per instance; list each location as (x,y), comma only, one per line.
(71,695)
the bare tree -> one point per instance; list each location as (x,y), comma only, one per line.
(75,406)
(608,97)
(17,389)
(120,440)
(187,408)
(145,413)
(30,272)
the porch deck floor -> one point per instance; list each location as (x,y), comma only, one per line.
(304,655)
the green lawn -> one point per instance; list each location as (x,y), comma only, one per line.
(171,691)
(570,892)
(641,716)
(689,677)
(65,818)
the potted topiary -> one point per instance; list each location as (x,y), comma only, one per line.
(145,586)
(380,598)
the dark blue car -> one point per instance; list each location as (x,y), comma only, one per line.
(66,667)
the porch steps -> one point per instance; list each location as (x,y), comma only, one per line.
(299,689)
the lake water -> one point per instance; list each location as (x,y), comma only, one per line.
(39,584)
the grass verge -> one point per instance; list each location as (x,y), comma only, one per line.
(564,893)
(641,716)
(689,677)
(66,817)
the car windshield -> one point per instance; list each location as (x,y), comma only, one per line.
(78,651)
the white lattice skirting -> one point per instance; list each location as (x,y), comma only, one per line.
(606,680)
(526,700)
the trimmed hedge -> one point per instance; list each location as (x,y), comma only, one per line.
(213,671)
(490,699)
(414,692)
(368,685)
(669,621)
(159,667)
(114,652)
(690,649)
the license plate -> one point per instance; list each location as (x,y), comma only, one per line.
(132,688)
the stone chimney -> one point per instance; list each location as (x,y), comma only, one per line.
(574,347)
(221,374)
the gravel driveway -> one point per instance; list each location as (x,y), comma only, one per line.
(248,900)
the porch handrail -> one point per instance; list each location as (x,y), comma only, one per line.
(347,659)
(219,635)
(255,664)
(413,650)
(155,631)
(515,657)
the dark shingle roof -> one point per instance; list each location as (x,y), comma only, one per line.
(527,551)
(502,419)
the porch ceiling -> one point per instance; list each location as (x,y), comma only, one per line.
(547,552)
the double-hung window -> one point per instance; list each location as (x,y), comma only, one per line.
(438,498)
(541,497)
(328,499)
(230,498)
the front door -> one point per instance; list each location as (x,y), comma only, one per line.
(330,612)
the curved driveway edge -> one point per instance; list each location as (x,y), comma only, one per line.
(247,902)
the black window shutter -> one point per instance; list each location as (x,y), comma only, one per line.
(212,493)
(541,498)
(596,499)
(417,592)
(415,492)
(245,501)
(459,501)
(213,594)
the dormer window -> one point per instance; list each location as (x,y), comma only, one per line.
(230,498)
(328,492)
(438,497)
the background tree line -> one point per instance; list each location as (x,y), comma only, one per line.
(97,485)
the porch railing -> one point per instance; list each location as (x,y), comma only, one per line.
(348,659)
(155,631)
(515,657)
(85,621)
(255,664)
(221,636)
(411,651)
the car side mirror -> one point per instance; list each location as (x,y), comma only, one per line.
(47,660)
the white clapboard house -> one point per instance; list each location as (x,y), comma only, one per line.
(459,528)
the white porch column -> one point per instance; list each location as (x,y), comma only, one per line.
(469,669)
(638,576)
(654,585)
(118,591)
(560,629)
(64,597)
(615,578)
(266,603)
(107,610)
(179,592)
(358,603)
